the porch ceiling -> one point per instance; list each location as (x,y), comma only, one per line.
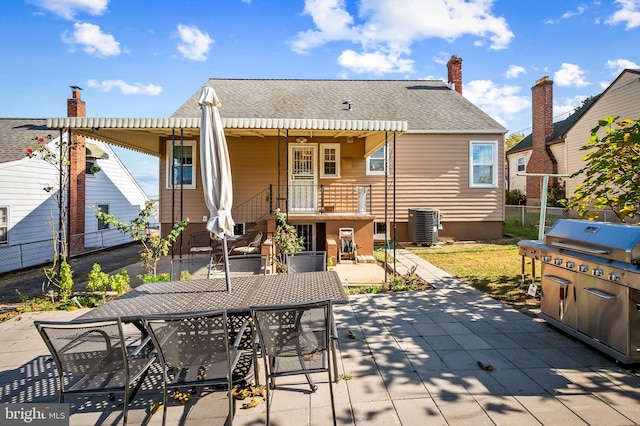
(145,134)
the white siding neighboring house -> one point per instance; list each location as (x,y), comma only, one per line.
(27,210)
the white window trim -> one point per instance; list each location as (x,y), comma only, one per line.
(494,163)
(193,144)
(524,164)
(369,172)
(4,243)
(335,146)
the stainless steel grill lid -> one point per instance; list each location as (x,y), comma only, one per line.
(606,240)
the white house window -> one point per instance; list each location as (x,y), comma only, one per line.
(376,162)
(521,164)
(483,164)
(182,163)
(104,208)
(4,225)
(330,160)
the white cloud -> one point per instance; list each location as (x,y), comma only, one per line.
(563,108)
(194,44)
(628,13)
(514,71)
(126,88)
(374,62)
(618,65)
(568,14)
(570,75)
(67,9)
(497,101)
(387,30)
(93,40)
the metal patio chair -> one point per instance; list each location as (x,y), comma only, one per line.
(92,358)
(241,265)
(200,242)
(306,261)
(295,340)
(194,351)
(252,247)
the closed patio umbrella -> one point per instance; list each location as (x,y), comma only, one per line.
(216,173)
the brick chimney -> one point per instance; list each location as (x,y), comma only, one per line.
(541,160)
(76,107)
(454,73)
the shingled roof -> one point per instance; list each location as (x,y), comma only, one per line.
(426,105)
(15,134)
(560,128)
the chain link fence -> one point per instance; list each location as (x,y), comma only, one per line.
(529,216)
(35,253)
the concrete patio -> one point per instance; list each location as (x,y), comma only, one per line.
(414,360)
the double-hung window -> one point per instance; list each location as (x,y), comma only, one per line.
(4,225)
(483,164)
(329,160)
(181,165)
(521,164)
(376,162)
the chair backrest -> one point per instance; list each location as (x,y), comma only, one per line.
(248,264)
(256,240)
(200,239)
(194,340)
(85,347)
(299,332)
(306,261)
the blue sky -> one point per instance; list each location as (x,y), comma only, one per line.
(144,58)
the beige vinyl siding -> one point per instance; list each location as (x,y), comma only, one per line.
(433,172)
(620,99)
(515,181)
(560,154)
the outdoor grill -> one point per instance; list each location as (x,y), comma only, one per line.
(590,283)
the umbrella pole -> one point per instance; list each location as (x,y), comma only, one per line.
(225,256)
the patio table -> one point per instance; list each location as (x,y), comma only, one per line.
(211,294)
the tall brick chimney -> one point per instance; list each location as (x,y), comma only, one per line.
(77,181)
(454,73)
(541,160)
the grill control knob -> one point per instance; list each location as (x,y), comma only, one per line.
(558,261)
(614,277)
(583,268)
(570,264)
(598,272)
(546,258)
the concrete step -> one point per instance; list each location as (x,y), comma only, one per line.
(366,259)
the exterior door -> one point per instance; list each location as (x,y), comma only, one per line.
(303,178)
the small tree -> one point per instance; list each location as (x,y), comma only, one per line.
(59,274)
(286,240)
(612,170)
(153,246)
